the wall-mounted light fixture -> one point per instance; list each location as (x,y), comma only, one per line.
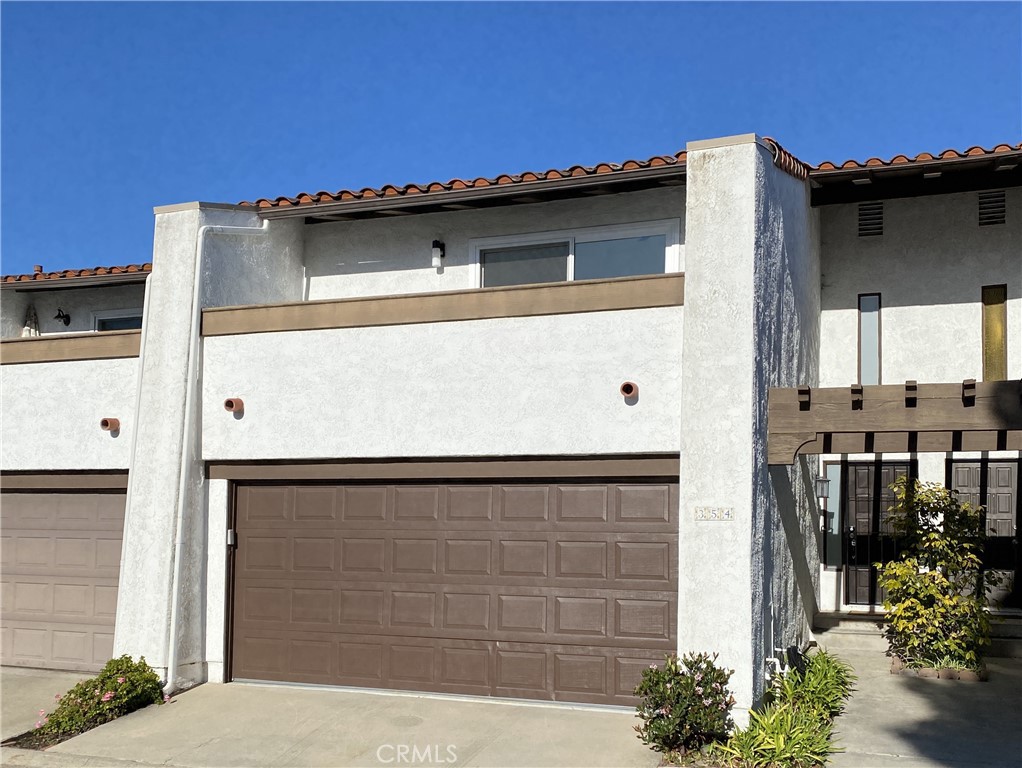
(234,405)
(629,389)
(823,487)
(110,425)
(438,254)
(62,316)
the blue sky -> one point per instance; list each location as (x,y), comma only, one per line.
(111,109)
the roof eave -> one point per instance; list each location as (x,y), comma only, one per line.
(529,191)
(83,281)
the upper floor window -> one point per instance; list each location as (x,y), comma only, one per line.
(117,319)
(995,332)
(869,338)
(593,253)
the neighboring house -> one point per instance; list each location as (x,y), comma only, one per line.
(509,436)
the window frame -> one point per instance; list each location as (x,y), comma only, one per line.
(99,315)
(879,338)
(669,228)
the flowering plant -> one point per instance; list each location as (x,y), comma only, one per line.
(684,705)
(121,687)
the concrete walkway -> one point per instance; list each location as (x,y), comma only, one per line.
(23,692)
(904,722)
(262,725)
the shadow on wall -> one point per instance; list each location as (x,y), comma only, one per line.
(794,531)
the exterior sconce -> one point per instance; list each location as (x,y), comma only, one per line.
(823,487)
(629,389)
(62,316)
(110,425)
(437,254)
(234,405)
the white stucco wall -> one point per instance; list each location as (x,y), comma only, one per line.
(751,322)
(79,303)
(391,256)
(509,386)
(785,546)
(162,598)
(51,414)
(929,267)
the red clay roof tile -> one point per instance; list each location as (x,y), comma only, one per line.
(66,274)
(391,191)
(947,154)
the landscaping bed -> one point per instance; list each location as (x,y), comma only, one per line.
(121,687)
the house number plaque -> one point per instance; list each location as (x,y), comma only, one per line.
(715,513)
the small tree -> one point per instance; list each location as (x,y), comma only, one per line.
(936,590)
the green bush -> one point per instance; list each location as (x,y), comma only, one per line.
(822,688)
(780,735)
(121,687)
(936,590)
(685,705)
(794,729)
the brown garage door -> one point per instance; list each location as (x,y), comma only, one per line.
(560,591)
(61,557)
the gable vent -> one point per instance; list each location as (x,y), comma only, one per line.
(871,219)
(991,207)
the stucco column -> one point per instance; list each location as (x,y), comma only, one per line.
(163,558)
(749,287)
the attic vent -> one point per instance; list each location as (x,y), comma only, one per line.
(871,219)
(991,207)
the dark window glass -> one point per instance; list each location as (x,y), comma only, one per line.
(119,323)
(620,258)
(546,263)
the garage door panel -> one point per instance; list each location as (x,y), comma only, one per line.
(414,609)
(60,599)
(60,566)
(539,671)
(557,591)
(517,507)
(55,645)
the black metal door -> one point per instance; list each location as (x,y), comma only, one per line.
(868,536)
(993,485)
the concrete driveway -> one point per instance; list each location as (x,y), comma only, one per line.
(23,692)
(266,725)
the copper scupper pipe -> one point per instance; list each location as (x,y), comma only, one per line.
(629,389)
(110,425)
(234,405)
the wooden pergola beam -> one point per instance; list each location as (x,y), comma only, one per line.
(894,418)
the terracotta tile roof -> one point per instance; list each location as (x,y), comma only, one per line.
(786,161)
(408,190)
(782,158)
(63,274)
(947,154)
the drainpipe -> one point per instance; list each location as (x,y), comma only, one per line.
(191,385)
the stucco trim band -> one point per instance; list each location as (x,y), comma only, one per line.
(476,304)
(654,465)
(91,345)
(63,481)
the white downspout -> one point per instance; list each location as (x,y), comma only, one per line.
(191,385)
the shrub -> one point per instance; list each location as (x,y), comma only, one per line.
(936,590)
(684,705)
(794,729)
(822,688)
(780,735)
(121,687)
